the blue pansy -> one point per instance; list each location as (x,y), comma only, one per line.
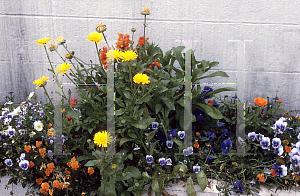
(225,134)
(206,90)
(149,158)
(226,145)
(215,103)
(220,124)
(161,136)
(276,142)
(210,135)
(8,162)
(238,186)
(265,142)
(199,115)
(252,136)
(209,159)
(186,152)
(181,134)
(172,133)
(169,144)
(162,161)
(196,168)
(155,125)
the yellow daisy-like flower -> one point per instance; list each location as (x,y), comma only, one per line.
(128,55)
(41,82)
(113,166)
(62,68)
(114,54)
(60,40)
(95,37)
(141,78)
(102,138)
(43,41)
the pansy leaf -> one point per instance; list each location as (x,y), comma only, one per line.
(168,102)
(158,107)
(190,187)
(202,180)
(140,124)
(151,135)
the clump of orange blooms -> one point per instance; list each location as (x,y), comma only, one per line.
(155,63)
(141,41)
(74,164)
(103,57)
(123,42)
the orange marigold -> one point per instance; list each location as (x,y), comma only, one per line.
(45,186)
(27,148)
(47,172)
(31,164)
(90,170)
(155,63)
(56,183)
(123,42)
(261,177)
(39,181)
(260,101)
(141,41)
(103,57)
(50,166)
(42,151)
(38,143)
(210,102)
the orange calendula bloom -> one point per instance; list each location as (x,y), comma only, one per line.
(73,159)
(50,166)
(260,101)
(261,177)
(47,172)
(42,151)
(90,170)
(27,148)
(288,149)
(49,125)
(155,63)
(123,42)
(279,100)
(31,164)
(210,102)
(103,57)
(56,183)
(39,181)
(196,145)
(141,41)
(45,186)
(38,143)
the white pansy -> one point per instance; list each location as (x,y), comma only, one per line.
(32,134)
(38,125)
(30,96)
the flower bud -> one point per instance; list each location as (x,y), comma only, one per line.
(101,28)
(145,11)
(53,47)
(133,30)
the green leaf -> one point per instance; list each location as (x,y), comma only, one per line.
(202,180)
(178,55)
(140,124)
(127,95)
(211,111)
(135,172)
(148,121)
(91,163)
(155,187)
(212,64)
(130,156)
(168,102)
(132,135)
(158,107)
(190,187)
(181,169)
(217,73)
(144,99)
(221,90)
(119,112)
(151,135)
(123,140)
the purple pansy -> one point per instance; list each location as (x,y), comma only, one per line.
(172,133)
(169,144)
(8,162)
(225,134)
(252,136)
(226,145)
(238,186)
(168,161)
(162,161)
(24,164)
(181,134)
(155,125)
(199,115)
(196,168)
(276,142)
(265,142)
(149,158)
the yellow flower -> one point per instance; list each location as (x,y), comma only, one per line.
(43,41)
(60,40)
(102,138)
(141,78)
(128,55)
(113,54)
(41,82)
(113,166)
(95,37)
(62,68)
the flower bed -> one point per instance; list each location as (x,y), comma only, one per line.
(116,147)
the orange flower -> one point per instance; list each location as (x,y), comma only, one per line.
(39,181)
(31,164)
(69,118)
(50,166)
(49,125)
(56,183)
(103,57)
(90,170)
(69,164)
(261,177)
(45,186)
(288,149)
(285,142)
(279,100)
(43,191)
(75,165)
(66,171)
(197,133)
(141,41)
(42,151)
(51,192)
(210,102)
(27,148)
(38,143)
(260,101)
(155,63)
(123,42)
(273,172)
(73,102)
(47,172)
(73,159)
(196,145)
(68,177)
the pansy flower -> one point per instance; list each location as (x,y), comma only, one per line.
(168,161)
(265,142)
(238,186)
(24,164)
(8,162)
(200,115)
(196,168)
(276,142)
(259,137)
(206,90)
(149,158)
(172,133)
(186,152)
(279,150)
(190,149)
(11,132)
(220,124)
(252,136)
(210,135)
(161,136)
(225,134)
(155,125)
(162,161)
(295,160)
(279,170)
(169,144)
(209,159)
(181,134)
(226,145)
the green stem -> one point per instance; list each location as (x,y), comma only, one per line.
(165,131)
(60,56)
(142,142)
(106,41)
(47,95)
(49,60)
(130,74)
(145,32)
(147,92)
(71,79)
(101,66)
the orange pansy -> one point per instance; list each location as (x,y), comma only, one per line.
(288,149)
(31,164)
(75,165)
(47,172)
(66,171)
(27,148)
(42,151)
(197,133)
(43,191)
(50,166)
(69,164)
(73,159)
(210,102)
(196,145)
(260,101)
(273,172)
(38,143)
(39,181)
(261,177)
(90,170)
(56,183)
(45,186)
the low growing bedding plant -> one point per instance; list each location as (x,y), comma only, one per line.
(149,135)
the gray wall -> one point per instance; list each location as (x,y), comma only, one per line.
(272,59)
